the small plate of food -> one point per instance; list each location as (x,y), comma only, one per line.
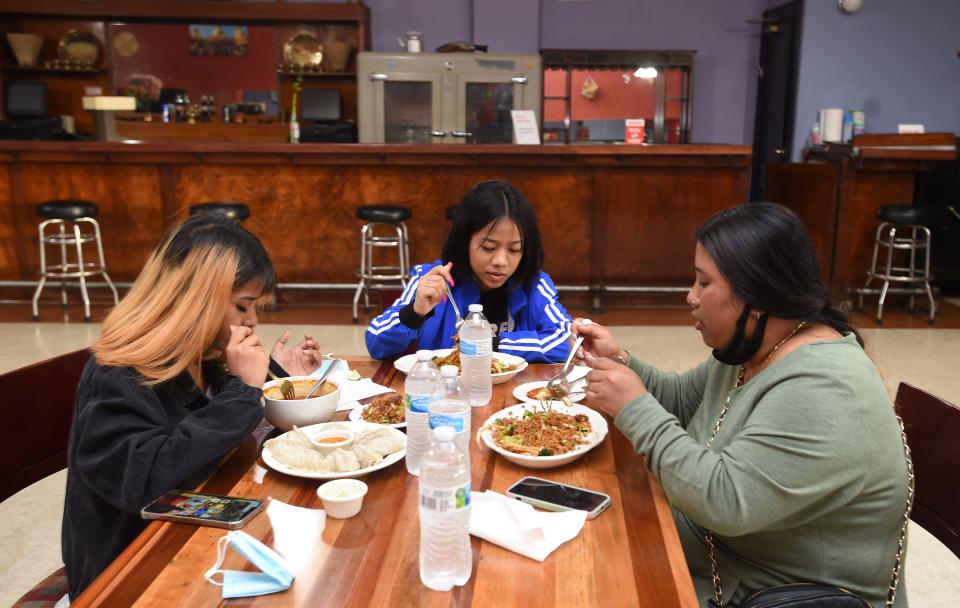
(387,409)
(535,392)
(373,447)
(543,436)
(503,367)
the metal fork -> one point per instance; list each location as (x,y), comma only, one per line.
(285,386)
(455,308)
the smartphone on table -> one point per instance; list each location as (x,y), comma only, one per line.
(203,509)
(555,496)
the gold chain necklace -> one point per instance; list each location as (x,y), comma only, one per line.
(742,375)
(712,550)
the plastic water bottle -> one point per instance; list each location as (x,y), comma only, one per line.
(420,385)
(449,407)
(476,352)
(445,555)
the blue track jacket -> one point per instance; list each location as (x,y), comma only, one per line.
(542,325)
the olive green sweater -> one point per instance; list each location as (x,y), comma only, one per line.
(806,480)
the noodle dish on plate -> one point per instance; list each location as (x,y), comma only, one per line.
(543,436)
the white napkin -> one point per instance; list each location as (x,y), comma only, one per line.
(351,391)
(519,527)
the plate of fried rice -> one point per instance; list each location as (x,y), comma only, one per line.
(387,409)
(541,436)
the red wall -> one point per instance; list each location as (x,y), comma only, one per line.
(616,98)
(164,52)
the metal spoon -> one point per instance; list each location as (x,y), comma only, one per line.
(560,384)
(323,377)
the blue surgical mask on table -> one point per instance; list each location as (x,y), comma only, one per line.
(275,575)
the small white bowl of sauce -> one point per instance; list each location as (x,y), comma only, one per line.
(342,498)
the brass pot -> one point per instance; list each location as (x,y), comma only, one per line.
(337,56)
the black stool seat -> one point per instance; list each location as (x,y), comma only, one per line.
(917,215)
(384,213)
(67,209)
(451,212)
(231,211)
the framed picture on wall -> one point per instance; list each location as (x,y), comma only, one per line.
(218,40)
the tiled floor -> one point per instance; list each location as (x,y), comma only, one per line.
(928,357)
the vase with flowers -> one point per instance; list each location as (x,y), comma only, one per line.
(146,89)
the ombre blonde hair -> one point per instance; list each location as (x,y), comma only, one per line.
(172,315)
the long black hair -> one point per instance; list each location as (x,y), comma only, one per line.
(765,252)
(488,202)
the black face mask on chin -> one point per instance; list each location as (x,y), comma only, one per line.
(738,350)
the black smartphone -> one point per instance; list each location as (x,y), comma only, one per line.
(555,496)
(203,509)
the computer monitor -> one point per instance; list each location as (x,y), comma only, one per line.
(26,99)
(320,104)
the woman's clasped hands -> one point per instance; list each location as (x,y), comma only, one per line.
(610,385)
(245,356)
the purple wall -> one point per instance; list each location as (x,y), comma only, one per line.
(439,20)
(725,82)
(896,60)
(727,47)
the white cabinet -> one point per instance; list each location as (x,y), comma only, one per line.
(444,97)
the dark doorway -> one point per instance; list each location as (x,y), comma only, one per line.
(777,71)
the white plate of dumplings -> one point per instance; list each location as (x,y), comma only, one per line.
(375,446)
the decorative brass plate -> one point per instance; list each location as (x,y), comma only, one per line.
(303,50)
(126,44)
(81,47)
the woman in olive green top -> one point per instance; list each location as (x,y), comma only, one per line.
(783,448)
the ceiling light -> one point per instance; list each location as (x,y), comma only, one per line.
(647,72)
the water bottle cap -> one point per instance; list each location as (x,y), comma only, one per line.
(475,308)
(449,371)
(424,355)
(444,434)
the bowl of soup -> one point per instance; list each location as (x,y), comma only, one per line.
(283,413)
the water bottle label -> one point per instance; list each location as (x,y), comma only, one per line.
(445,500)
(438,420)
(419,404)
(479,348)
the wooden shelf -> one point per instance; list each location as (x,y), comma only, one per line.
(204,10)
(350,75)
(63,71)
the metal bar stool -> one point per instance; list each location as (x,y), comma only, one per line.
(904,232)
(388,220)
(229,210)
(62,215)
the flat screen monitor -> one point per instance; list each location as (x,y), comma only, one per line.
(320,104)
(26,99)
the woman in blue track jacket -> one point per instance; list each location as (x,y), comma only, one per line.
(494,257)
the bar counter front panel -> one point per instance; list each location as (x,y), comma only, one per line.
(610,215)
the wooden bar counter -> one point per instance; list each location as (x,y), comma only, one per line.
(838,190)
(610,215)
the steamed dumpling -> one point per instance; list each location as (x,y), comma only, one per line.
(297,455)
(344,461)
(383,441)
(366,456)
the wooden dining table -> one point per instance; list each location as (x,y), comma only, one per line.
(630,555)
